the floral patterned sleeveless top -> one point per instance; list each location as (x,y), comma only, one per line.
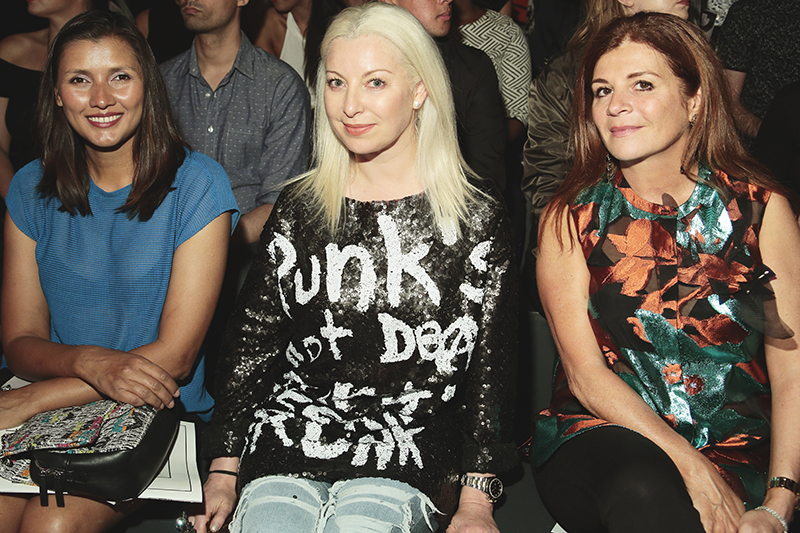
(678,299)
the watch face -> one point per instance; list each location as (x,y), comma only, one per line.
(495,488)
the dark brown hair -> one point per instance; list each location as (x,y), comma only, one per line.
(713,140)
(158,147)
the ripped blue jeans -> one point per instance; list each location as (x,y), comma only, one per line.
(282,504)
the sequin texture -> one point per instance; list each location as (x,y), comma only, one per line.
(678,305)
(386,350)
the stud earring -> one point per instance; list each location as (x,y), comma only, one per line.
(416,105)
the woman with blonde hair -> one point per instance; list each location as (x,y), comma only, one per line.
(366,383)
(668,272)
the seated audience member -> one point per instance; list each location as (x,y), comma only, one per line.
(668,272)
(115,246)
(283,33)
(240,106)
(720,10)
(22,58)
(324,416)
(162,25)
(293,32)
(479,108)
(247,110)
(550,25)
(502,40)
(759,45)
(778,143)
(546,156)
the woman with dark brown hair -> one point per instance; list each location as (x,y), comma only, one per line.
(668,271)
(115,247)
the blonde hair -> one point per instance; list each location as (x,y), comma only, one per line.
(440,166)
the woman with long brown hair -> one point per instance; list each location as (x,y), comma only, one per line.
(668,272)
(115,247)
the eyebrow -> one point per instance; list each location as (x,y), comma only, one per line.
(112,69)
(365,75)
(630,76)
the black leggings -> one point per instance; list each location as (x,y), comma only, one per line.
(611,479)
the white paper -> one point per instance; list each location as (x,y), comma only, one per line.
(178,481)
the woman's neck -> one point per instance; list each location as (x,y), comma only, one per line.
(659,184)
(384,177)
(111,171)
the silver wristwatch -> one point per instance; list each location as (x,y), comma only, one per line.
(491,486)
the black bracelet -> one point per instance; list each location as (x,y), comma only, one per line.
(226,472)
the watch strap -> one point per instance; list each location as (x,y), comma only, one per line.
(779,482)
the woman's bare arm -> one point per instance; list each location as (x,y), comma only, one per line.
(146,374)
(563,280)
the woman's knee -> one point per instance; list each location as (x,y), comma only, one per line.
(280,504)
(79,515)
(379,505)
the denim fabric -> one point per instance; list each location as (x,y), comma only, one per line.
(282,504)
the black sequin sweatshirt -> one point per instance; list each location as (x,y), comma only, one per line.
(388,350)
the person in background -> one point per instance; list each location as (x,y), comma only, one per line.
(22,58)
(668,272)
(777,145)
(248,111)
(502,40)
(115,246)
(479,106)
(366,382)
(240,106)
(759,45)
(283,33)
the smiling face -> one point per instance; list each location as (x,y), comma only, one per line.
(433,14)
(101,90)
(679,8)
(369,98)
(639,106)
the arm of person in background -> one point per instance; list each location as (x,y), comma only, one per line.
(283,157)
(779,241)
(747,123)
(143,22)
(6,170)
(546,157)
(515,80)
(563,279)
(86,373)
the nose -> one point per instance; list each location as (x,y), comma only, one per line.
(619,102)
(352,102)
(445,2)
(102,96)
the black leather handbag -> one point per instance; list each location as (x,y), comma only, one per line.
(105,449)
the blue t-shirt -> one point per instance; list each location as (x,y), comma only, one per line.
(105,277)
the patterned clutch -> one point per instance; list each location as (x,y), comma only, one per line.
(105,449)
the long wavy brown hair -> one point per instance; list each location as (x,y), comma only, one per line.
(158,149)
(713,140)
